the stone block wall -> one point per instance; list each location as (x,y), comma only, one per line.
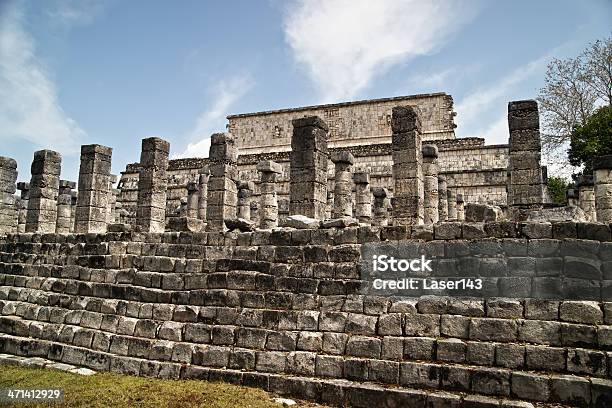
(352,123)
(283,311)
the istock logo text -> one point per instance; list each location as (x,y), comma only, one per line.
(383,263)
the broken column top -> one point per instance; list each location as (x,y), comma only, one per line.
(221,138)
(602,162)
(310,121)
(405,119)
(155,143)
(523,115)
(430,151)
(47,155)
(23,185)
(361,177)
(113,178)
(204,170)
(67,183)
(571,193)
(97,150)
(460,198)
(269,166)
(380,192)
(342,157)
(441,178)
(8,162)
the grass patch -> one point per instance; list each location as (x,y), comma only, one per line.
(118,391)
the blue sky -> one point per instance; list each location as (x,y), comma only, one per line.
(112,72)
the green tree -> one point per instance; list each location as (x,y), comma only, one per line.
(591,138)
(573,89)
(557,186)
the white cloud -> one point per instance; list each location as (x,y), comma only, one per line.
(471,108)
(212,120)
(29,106)
(344,44)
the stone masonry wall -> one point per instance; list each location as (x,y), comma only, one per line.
(353,123)
(282,310)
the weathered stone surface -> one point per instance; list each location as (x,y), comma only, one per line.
(558,214)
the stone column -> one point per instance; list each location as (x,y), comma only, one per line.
(381,206)
(526,185)
(430,185)
(452,204)
(343,186)
(94,180)
(9,215)
(442,198)
(460,208)
(203,175)
(222,193)
(245,191)
(308,172)
(193,200)
(363,197)
(602,172)
(152,184)
(74,195)
(112,200)
(586,196)
(407,201)
(44,185)
(572,197)
(268,204)
(255,211)
(24,188)
(64,207)
(330,204)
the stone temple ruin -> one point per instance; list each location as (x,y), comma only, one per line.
(253,266)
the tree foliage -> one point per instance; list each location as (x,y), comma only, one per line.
(557,186)
(572,91)
(591,138)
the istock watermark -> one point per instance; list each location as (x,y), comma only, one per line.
(383,263)
(405,269)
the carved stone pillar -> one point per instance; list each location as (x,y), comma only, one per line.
(268,204)
(343,199)
(430,184)
(363,197)
(381,206)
